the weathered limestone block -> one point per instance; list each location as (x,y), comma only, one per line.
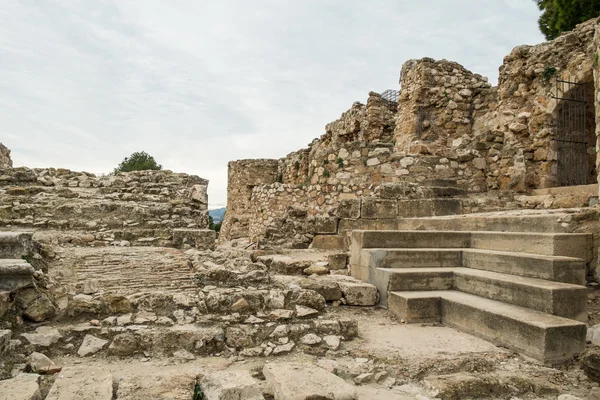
(35,304)
(203,239)
(349,208)
(21,387)
(375,208)
(44,336)
(230,385)
(359,293)
(394,191)
(337,261)
(91,345)
(323,225)
(15,275)
(85,383)
(328,242)
(329,289)
(304,382)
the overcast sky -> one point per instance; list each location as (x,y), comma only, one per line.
(196,83)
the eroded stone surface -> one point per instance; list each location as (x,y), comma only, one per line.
(81,383)
(230,385)
(21,387)
(305,382)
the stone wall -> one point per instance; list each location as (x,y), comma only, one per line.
(5,160)
(525,113)
(243,176)
(490,144)
(136,207)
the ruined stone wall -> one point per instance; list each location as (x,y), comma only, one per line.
(526,112)
(5,160)
(243,176)
(449,125)
(138,207)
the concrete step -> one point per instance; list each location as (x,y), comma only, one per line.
(545,337)
(558,220)
(554,268)
(577,245)
(562,299)
(554,244)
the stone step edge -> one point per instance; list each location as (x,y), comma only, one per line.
(449,276)
(517,315)
(577,278)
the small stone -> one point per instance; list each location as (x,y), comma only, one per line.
(44,336)
(316,270)
(125,319)
(333,342)
(90,286)
(240,306)
(283,340)
(91,345)
(252,351)
(39,362)
(110,321)
(568,397)
(286,348)
(95,322)
(363,378)
(281,331)
(253,320)
(310,339)
(380,376)
(184,355)
(302,311)
(281,314)
(165,321)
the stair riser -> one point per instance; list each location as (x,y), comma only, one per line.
(414,311)
(564,302)
(551,344)
(541,267)
(420,259)
(524,223)
(420,281)
(572,245)
(409,239)
(559,271)
(548,345)
(568,303)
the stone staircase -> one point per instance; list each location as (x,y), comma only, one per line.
(521,290)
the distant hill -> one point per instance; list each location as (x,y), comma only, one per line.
(217,214)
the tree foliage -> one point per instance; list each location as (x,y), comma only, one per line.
(559,16)
(138,161)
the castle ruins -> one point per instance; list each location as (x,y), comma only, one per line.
(438,242)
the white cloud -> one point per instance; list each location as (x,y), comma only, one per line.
(197,83)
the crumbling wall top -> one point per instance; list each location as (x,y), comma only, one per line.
(5,160)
